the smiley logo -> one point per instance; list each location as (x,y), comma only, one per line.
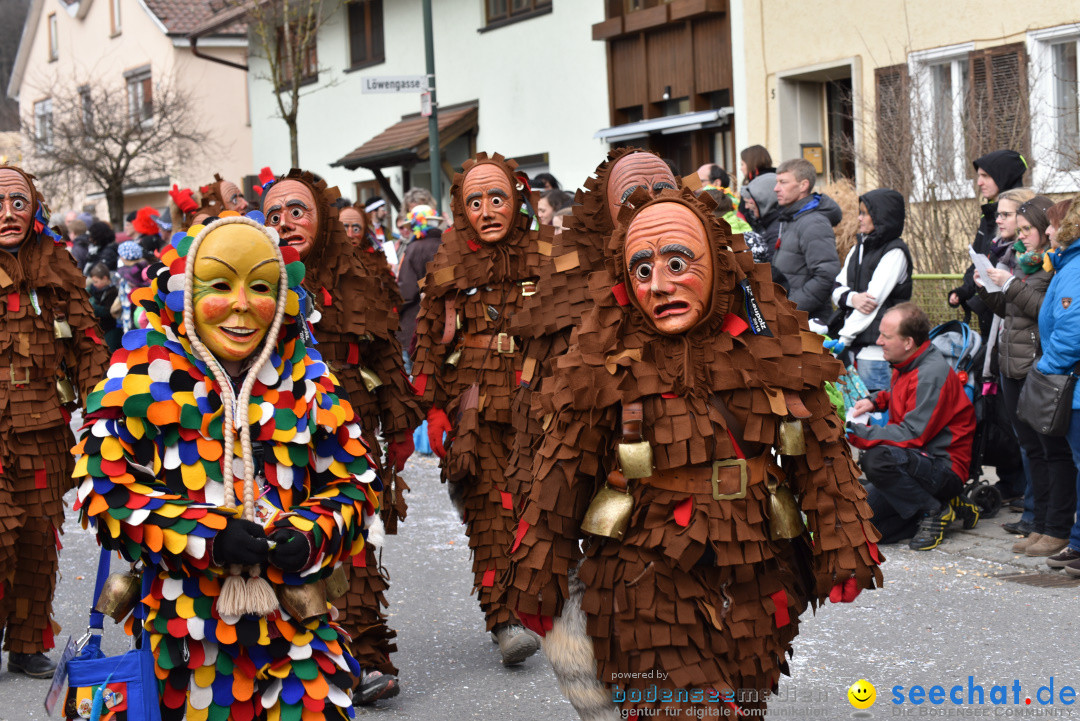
(862,694)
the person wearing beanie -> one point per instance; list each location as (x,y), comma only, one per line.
(378,213)
(148,232)
(996,172)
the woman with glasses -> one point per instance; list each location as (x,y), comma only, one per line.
(1050,467)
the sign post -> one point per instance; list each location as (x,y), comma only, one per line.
(433,119)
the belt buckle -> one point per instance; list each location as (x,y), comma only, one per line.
(716,466)
(19,381)
(499,343)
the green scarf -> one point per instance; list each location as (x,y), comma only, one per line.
(1027,261)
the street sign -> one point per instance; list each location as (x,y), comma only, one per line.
(395,84)
(425,104)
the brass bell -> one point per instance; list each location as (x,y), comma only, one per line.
(119,595)
(64,391)
(635,459)
(609,511)
(371,379)
(337,583)
(305,602)
(792,441)
(61,329)
(454,358)
(785,519)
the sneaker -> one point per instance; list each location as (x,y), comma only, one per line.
(1046,546)
(375,685)
(932,529)
(1018,528)
(966,511)
(1024,544)
(34,665)
(1060,560)
(1073,569)
(516,644)
(1016,505)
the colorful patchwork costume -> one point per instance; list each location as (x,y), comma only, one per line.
(704,586)
(44,298)
(151,468)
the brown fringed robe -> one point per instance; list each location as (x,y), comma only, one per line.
(34,434)
(356,297)
(696,588)
(474,288)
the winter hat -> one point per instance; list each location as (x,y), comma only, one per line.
(422,219)
(164,223)
(130,217)
(101,233)
(374,203)
(130,250)
(86,218)
(1006,167)
(144,221)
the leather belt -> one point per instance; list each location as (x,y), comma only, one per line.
(726,480)
(500,343)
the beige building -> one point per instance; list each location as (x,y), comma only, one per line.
(818,77)
(134,46)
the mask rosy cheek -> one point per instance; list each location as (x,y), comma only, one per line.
(214,309)
(263,309)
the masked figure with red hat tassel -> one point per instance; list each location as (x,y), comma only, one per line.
(689,436)
(223,456)
(352,299)
(468,366)
(50,344)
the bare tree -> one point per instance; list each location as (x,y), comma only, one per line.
(110,137)
(284,34)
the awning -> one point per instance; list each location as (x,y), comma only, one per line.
(406,142)
(666,125)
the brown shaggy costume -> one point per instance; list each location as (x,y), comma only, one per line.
(474,289)
(696,589)
(356,296)
(40,285)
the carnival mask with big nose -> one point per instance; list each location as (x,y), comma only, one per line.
(16,208)
(234,199)
(291,211)
(235,290)
(636,170)
(355,227)
(489,205)
(670,267)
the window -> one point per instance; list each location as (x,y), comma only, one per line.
(114,17)
(365,33)
(54,38)
(140,96)
(1054,108)
(949,89)
(999,100)
(287,52)
(43,123)
(501,11)
(1066,104)
(86,102)
(937,93)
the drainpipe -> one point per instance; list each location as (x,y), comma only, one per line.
(195,51)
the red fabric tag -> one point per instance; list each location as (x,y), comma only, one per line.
(489,578)
(13,301)
(780,601)
(523,528)
(47,637)
(56,533)
(507,500)
(517,378)
(359,560)
(735,445)
(683,511)
(734,325)
(39,478)
(619,291)
(874,553)
(419,383)
(91,333)
(473,245)
(326,299)
(353,356)
(669,395)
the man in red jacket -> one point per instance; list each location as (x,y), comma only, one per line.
(916,464)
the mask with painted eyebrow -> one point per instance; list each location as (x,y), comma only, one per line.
(16,208)
(488,202)
(631,171)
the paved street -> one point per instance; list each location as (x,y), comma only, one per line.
(943,615)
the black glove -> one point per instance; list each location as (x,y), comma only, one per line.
(242,542)
(292,550)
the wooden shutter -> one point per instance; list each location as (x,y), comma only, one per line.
(893,118)
(998,109)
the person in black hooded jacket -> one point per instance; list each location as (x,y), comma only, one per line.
(875,277)
(996,171)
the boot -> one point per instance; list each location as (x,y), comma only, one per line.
(34,665)
(516,644)
(1046,546)
(1022,545)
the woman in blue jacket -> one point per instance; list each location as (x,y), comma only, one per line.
(1059,329)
